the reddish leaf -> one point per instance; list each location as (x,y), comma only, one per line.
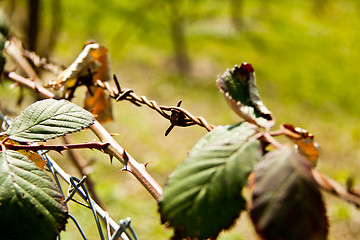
(287,204)
(238,86)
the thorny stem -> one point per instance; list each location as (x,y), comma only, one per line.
(58,148)
(82,167)
(331,186)
(30,84)
(14,49)
(137,169)
(114,149)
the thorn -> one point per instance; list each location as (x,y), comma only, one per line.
(145,164)
(350,181)
(179,103)
(126,159)
(117,83)
(60,152)
(169,130)
(14,85)
(125,169)
(111,158)
(172,125)
(114,134)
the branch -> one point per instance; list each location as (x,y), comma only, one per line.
(30,84)
(14,49)
(80,164)
(131,165)
(114,149)
(58,148)
(331,186)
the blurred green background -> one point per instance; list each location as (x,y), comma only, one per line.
(305,54)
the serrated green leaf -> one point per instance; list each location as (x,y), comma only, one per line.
(203,195)
(238,86)
(48,119)
(287,204)
(31,205)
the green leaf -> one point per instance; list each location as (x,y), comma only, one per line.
(238,86)
(31,205)
(287,203)
(203,195)
(48,119)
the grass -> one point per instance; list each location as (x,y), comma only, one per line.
(306,63)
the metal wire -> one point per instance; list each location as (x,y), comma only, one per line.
(77,226)
(124,225)
(177,116)
(79,188)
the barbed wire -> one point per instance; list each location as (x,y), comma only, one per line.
(178,116)
(123,230)
(175,114)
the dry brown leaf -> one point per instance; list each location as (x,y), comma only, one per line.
(91,65)
(304,142)
(99,104)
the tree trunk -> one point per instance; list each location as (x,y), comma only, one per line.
(177,27)
(56,22)
(33,27)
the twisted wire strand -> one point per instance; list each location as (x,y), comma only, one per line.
(185,117)
(178,117)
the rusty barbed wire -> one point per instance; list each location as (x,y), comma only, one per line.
(178,116)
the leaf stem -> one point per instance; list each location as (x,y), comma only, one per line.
(331,186)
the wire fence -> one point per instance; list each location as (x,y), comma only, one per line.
(76,187)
